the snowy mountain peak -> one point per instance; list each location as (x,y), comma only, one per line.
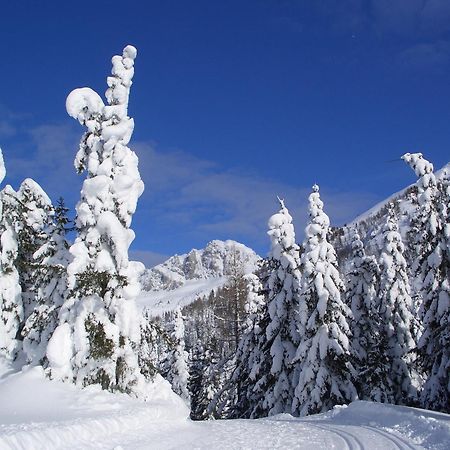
(216,260)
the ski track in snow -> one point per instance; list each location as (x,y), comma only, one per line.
(393,438)
(351,441)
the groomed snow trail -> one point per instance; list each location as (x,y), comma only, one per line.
(37,414)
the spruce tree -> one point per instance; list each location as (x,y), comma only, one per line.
(177,363)
(201,383)
(324,352)
(239,388)
(396,311)
(97,335)
(368,339)
(11,307)
(34,229)
(282,321)
(49,286)
(434,343)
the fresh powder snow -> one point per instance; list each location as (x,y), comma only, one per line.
(39,414)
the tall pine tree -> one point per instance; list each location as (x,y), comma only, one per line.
(97,335)
(177,361)
(324,352)
(11,307)
(282,330)
(396,312)
(368,337)
(49,286)
(429,230)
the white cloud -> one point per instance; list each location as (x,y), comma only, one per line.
(208,200)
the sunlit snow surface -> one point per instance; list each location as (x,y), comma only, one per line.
(159,302)
(39,414)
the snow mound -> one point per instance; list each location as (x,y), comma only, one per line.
(427,429)
(41,414)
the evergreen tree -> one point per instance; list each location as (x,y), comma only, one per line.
(49,285)
(324,353)
(200,385)
(97,335)
(368,339)
(396,311)
(150,349)
(434,343)
(425,220)
(177,363)
(11,307)
(282,330)
(27,214)
(239,389)
(36,210)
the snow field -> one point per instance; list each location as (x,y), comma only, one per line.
(39,414)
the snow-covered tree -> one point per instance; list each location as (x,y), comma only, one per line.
(49,286)
(150,349)
(239,389)
(324,353)
(282,330)
(11,307)
(425,220)
(368,339)
(396,311)
(34,226)
(98,331)
(434,343)
(177,363)
(201,385)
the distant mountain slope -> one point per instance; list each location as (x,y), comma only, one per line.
(369,224)
(214,261)
(184,278)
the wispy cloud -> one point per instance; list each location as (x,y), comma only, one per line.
(206,199)
(45,153)
(425,55)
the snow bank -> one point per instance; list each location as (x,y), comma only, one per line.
(41,414)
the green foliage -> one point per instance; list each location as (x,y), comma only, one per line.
(100,346)
(91,282)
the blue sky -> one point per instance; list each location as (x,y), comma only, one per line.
(234,102)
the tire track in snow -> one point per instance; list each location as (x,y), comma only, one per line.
(351,441)
(400,442)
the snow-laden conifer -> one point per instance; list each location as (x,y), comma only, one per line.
(434,343)
(177,363)
(11,307)
(49,286)
(98,327)
(324,351)
(240,389)
(368,338)
(425,221)
(396,311)
(283,328)
(431,271)
(202,382)
(35,223)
